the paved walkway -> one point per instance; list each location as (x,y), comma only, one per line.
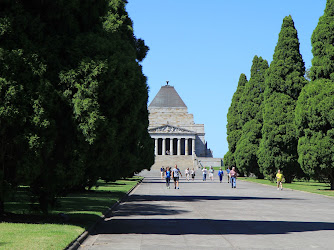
(212,215)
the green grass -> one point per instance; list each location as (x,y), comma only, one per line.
(25,229)
(37,236)
(306,186)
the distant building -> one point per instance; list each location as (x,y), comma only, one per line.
(178,140)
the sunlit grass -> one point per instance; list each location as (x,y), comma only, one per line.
(307,186)
(31,230)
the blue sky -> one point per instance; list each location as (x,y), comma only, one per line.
(202,47)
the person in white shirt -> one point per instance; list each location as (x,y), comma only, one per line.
(187,173)
(176,176)
(204,173)
(211,171)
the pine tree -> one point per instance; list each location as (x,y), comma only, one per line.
(233,121)
(251,119)
(285,79)
(314,112)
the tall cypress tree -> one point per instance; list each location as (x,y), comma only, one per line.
(285,79)
(233,121)
(251,119)
(314,112)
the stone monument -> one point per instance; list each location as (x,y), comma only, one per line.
(178,140)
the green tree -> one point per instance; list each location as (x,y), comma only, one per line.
(322,45)
(233,121)
(76,97)
(284,81)
(314,112)
(251,119)
(229,160)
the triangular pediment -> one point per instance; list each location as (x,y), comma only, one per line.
(169,129)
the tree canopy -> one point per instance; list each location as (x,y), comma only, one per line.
(314,112)
(233,121)
(251,119)
(73,96)
(284,81)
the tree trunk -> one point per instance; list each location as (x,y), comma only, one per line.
(332,184)
(2,191)
(2,208)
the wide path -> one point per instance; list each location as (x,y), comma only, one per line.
(212,215)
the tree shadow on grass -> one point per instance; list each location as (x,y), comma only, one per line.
(79,209)
(207,227)
(84,220)
(326,189)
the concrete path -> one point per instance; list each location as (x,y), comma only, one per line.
(212,215)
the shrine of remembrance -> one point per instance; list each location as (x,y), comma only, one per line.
(178,140)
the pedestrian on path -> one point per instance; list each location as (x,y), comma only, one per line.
(187,173)
(168,174)
(220,175)
(228,174)
(176,176)
(211,171)
(204,173)
(162,171)
(279,178)
(233,175)
(192,172)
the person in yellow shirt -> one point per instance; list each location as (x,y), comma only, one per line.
(279,178)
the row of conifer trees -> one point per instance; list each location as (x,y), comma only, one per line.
(283,117)
(73,98)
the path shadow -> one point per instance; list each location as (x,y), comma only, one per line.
(147,209)
(207,227)
(194,198)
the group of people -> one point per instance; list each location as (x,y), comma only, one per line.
(175,174)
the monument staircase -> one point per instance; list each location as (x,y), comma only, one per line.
(182,161)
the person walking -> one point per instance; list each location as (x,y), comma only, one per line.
(211,171)
(279,178)
(176,176)
(192,172)
(228,174)
(168,174)
(233,177)
(204,173)
(187,174)
(220,175)
(162,171)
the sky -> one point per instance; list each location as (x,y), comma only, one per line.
(202,47)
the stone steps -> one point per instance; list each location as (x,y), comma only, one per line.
(182,161)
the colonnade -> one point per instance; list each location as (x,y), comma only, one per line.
(174,146)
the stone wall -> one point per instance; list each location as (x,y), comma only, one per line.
(209,161)
(174,116)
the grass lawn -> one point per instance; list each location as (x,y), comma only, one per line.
(307,186)
(24,229)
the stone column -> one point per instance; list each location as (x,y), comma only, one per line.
(193,146)
(156,146)
(178,146)
(186,151)
(171,146)
(163,146)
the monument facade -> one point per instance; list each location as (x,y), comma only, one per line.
(178,140)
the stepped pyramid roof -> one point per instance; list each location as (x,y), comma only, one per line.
(167,97)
